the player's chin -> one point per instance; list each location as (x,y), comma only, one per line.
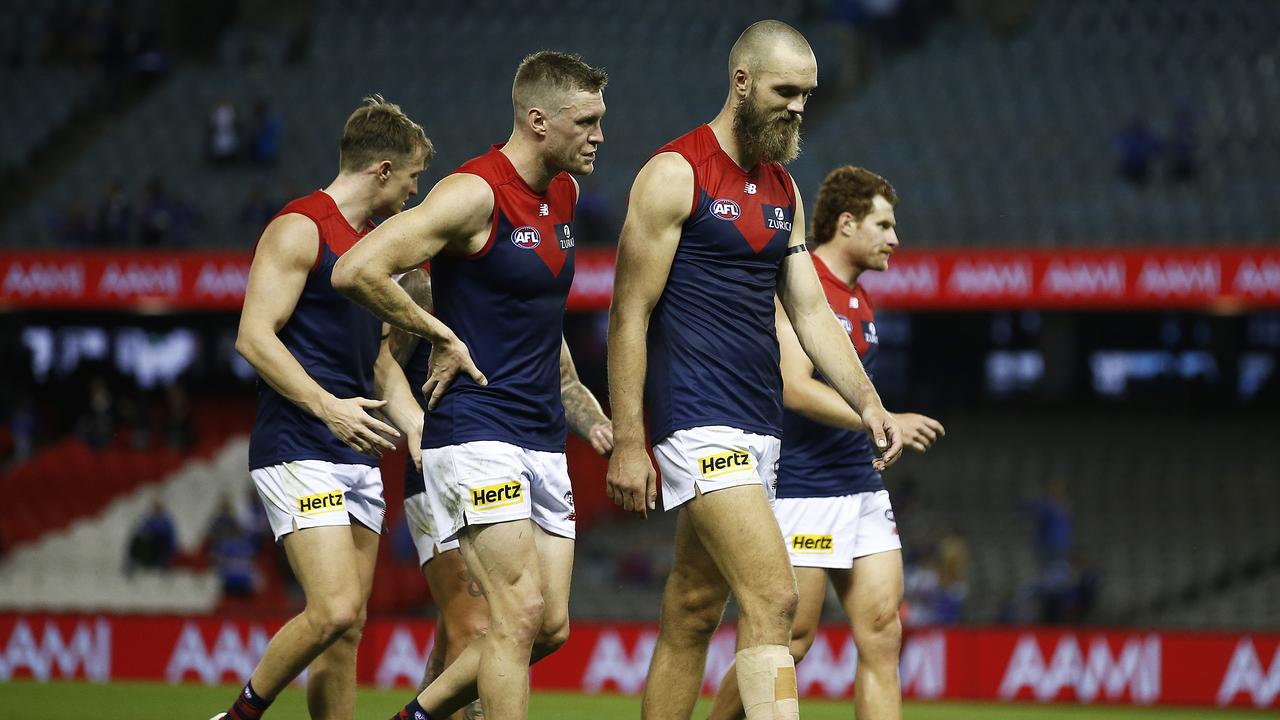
(586,166)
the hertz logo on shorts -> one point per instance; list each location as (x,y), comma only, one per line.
(321,503)
(725,463)
(496,496)
(815,544)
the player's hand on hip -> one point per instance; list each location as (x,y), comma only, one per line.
(886,436)
(919,432)
(631,481)
(350,421)
(601,436)
(449,356)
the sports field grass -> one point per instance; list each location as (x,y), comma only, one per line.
(23,700)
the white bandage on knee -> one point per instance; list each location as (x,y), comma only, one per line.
(767,683)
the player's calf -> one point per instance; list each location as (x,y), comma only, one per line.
(767,683)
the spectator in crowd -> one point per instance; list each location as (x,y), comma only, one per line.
(223,138)
(115,216)
(233,551)
(97,425)
(224,524)
(1137,147)
(1052,518)
(268,129)
(161,220)
(154,542)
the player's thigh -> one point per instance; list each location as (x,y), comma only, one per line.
(695,587)
(365,543)
(327,564)
(738,530)
(555,560)
(811,584)
(502,557)
(871,592)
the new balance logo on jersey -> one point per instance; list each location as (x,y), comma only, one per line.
(750,189)
(853,303)
(526,237)
(321,503)
(813,544)
(724,463)
(726,209)
(496,496)
(543,210)
(777,220)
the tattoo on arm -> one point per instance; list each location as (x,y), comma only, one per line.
(581,409)
(418,284)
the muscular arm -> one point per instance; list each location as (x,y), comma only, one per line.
(660,204)
(281,264)
(581,409)
(827,345)
(804,394)
(456,213)
(801,391)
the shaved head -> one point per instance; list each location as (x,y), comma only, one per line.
(763,45)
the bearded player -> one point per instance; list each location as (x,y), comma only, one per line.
(832,504)
(714,230)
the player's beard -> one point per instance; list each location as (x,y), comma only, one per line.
(768,138)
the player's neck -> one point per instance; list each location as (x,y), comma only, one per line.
(528,162)
(838,263)
(722,127)
(354,198)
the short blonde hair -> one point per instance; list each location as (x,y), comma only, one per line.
(378,131)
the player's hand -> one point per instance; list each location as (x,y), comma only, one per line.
(349,420)
(631,481)
(601,437)
(886,436)
(919,432)
(449,356)
(413,439)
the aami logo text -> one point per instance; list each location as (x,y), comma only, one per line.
(817,544)
(724,463)
(496,496)
(726,209)
(526,237)
(321,503)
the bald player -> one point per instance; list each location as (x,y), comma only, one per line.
(715,228)
(501,231)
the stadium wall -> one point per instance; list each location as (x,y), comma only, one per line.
(1084,666)
(919,279)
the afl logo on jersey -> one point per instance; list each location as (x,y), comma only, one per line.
(726,210)
(526,237)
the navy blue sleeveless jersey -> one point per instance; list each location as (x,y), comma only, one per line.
(712,345)
(416,371)
(334,339)
(819,460)
(506,302)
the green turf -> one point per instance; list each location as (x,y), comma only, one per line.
(24,700)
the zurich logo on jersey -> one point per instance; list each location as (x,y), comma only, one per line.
(726,209)
(526,237)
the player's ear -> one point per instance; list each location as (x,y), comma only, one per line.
(741,82)
(537,120)
(383,170)
(847,223)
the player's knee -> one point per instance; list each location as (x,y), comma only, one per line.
(335,618)
(521,621)
(878,634)
(555,633)
(777,600)
(696,612)
(801,641)
(462,630)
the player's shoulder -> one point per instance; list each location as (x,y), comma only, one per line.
(291,238)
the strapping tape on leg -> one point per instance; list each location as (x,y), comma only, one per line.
(767,683)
